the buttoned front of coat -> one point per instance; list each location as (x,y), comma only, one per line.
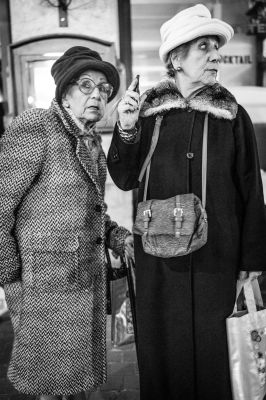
(54,226)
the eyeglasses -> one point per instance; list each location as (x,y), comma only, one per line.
(87,86)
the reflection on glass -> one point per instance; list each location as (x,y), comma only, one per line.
(41,83)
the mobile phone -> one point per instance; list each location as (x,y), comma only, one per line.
(137,85)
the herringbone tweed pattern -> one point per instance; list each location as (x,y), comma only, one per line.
(52,231)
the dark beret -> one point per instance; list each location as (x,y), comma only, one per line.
(77,60)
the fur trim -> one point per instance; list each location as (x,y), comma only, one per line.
(215,100)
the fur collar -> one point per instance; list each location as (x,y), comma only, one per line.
(215,100)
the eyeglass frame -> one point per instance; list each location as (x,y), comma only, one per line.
(78,82)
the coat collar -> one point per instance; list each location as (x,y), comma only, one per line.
(215,100)
(82,151)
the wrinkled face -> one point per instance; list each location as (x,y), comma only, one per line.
(201,63)
(87,97)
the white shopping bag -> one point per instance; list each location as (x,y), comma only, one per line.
(246,334)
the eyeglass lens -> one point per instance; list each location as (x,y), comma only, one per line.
(87,86)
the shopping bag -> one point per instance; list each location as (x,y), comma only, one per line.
(246,335)
(122,322)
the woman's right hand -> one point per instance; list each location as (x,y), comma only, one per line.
(129,107)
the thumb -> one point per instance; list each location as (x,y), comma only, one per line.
(243,275)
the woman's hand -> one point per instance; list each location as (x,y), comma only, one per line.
(129,247)
(129,106)
(251,275)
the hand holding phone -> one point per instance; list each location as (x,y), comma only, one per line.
(128,108)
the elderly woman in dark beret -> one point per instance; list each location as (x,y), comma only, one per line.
(182,302)
(53,232)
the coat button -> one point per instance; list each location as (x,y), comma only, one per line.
(99,240)
(98,208)
(190,156)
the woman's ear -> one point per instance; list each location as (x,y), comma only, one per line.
(65,103)
(175,60)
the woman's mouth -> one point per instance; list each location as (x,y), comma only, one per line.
(93,108)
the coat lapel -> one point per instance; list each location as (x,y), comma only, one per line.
(87,163)
(102,170)
(82,152)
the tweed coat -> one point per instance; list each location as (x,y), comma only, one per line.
(182,303)
(52,233)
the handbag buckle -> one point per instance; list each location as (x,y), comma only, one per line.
(178,218)
(147,217)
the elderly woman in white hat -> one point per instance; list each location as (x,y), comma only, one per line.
(182,302)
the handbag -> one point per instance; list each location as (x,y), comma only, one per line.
(246,335)
(178,225)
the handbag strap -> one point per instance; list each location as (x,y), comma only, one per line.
(154,140)
(147,163)
(204,160)
(252,294)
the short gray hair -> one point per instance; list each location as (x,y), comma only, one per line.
(180,51)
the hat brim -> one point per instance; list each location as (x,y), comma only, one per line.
(214,27)
(105,67)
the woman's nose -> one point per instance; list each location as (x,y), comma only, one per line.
(95,94)
(215,56)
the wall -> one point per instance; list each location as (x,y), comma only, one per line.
(96,18)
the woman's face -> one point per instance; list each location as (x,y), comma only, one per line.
(201,63)
(87,97)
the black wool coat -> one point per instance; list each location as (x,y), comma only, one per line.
(183,302)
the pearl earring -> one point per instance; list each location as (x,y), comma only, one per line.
(179,69)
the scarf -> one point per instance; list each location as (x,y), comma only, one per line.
(88,134)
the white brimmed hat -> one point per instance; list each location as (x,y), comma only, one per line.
(189,24)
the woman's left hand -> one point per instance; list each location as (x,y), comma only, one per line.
(129,247)
(249,275)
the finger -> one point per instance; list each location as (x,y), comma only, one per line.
(132,95)
(254,275)
(133,84)
(125,108)
(243,275)
(132,101)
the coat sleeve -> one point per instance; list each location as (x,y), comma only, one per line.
(21,154)
(253,243)
(115,235)
(123,162)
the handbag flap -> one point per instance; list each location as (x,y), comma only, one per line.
(162,217)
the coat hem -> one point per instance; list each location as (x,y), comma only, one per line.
(83,388)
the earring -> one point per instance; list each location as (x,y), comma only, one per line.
(65,104)
(179,69)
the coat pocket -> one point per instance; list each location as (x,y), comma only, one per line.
(54,263)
